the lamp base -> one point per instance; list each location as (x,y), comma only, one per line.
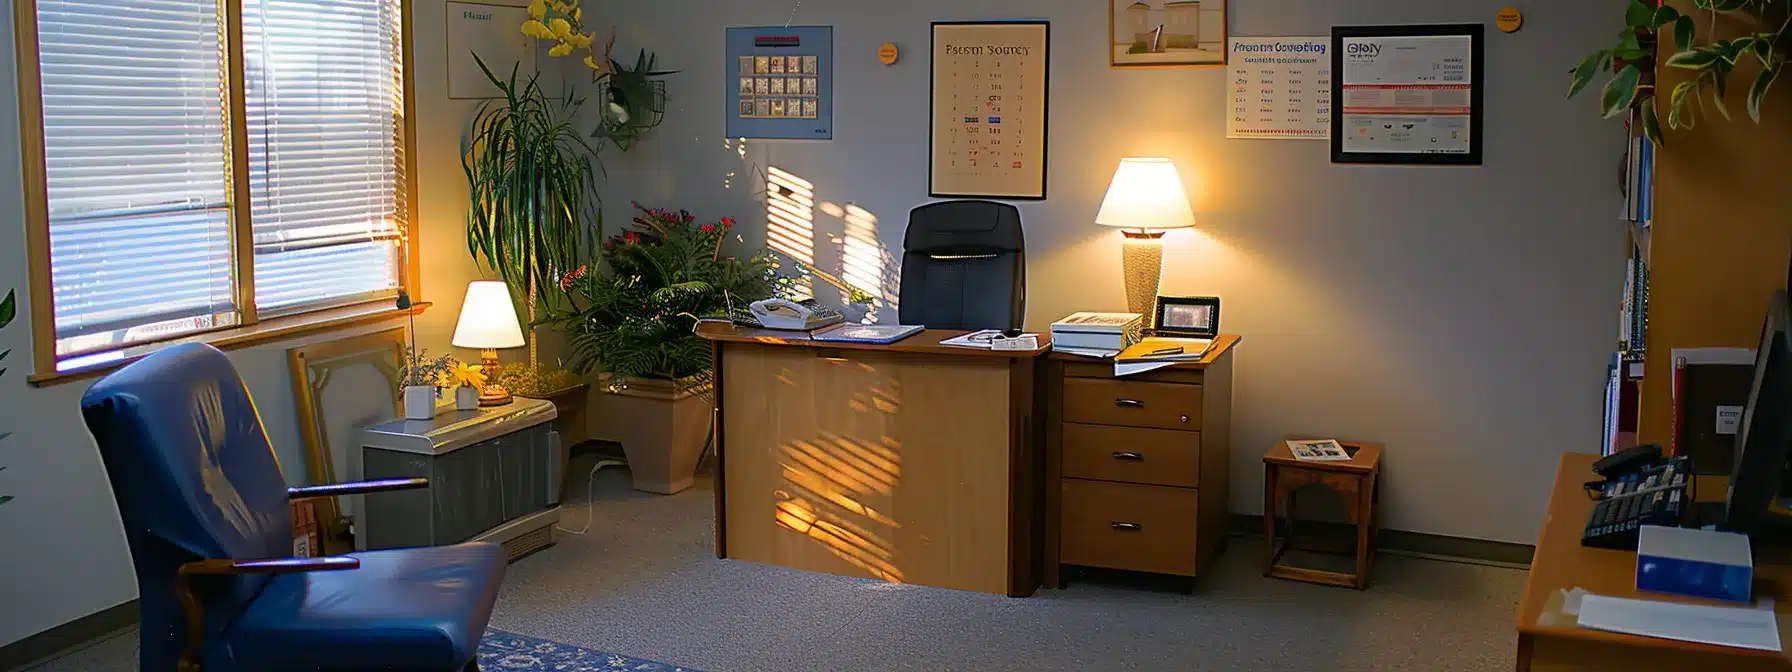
(493,394)
(1142,262)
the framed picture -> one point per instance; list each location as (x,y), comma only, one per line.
(1160,33)
(989,99)
(1187,316)
(785,83)
(1407,94)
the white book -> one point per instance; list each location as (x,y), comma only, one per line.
(1098,323)
(1078,339)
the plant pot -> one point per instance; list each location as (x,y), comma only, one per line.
(662,429)
(466,398)
(419,402)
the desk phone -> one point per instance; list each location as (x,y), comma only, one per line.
(1643,492)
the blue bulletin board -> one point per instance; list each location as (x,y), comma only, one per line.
(780,83)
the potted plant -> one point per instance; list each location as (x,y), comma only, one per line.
(532,198)
(468,379)
(632,319)
(421,379)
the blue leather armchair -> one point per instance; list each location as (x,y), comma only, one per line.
(205,511)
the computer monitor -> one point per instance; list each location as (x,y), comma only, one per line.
(1766,434)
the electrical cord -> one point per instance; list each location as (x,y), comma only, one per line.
(591,496)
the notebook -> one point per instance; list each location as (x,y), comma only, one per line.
(881,334)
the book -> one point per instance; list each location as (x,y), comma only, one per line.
(1099,323)
(1320,450)
(1093,341)
(1164,349)
(881,334)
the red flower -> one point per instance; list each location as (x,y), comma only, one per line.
(631,237)
(727,222)
(609,244)
(567,280)
(707,228)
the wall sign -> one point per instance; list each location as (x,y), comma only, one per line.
(990,95)
(494,32)
(1281,88)
(1407,94)
(780,83)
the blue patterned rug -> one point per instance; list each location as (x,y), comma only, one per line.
(510,652)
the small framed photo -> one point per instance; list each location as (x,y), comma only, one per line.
(1187,316)
(1160,33)
(762,65)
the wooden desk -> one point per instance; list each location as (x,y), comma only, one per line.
(911,462)
(1561,563)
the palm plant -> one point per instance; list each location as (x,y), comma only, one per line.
(532,182)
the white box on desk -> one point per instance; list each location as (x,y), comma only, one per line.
(1694,563)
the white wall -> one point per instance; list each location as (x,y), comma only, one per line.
(1461,315)
(65,551)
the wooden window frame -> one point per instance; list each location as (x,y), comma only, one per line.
(251,328)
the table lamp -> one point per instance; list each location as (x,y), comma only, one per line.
(1145,198)
(488,322)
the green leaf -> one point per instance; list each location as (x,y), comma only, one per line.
(1664,16)
(1651,123)
(1758,91)
(1693,59)
(1589,66)
(1620,91)
(1638,14)
(5,498)
(1627,41)
(8,306)
(1720,82)
(1684,32)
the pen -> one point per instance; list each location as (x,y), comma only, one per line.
(1166,351)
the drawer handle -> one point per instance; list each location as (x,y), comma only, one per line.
(1129,403)
(1135,457)
(1128,527)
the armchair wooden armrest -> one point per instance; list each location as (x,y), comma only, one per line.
(193,611)
(358,488)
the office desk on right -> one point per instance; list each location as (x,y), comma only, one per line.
(1546,643)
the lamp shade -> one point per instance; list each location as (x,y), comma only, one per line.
(487,319)
(1146,194)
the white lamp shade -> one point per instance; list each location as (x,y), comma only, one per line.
(1146,194)
(487,319)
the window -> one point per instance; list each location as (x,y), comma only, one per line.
(209,164)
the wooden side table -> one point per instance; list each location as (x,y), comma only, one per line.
(1356,480)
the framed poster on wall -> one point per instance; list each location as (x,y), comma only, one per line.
(1407,94)
(781,83)
(989,97)
(1164,33)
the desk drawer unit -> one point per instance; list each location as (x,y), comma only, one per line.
(1137,467)
(1144,528)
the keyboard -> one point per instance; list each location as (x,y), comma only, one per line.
(1654,495)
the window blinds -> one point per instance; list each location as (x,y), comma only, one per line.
(135,159)
(325,100)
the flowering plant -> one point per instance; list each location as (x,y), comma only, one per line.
(467,375)
(561,21)
(421,370)
(634,315)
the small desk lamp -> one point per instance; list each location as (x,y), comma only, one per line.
(488,322)
(1145,198)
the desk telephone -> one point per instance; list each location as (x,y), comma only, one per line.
(1641,487)
(807,315)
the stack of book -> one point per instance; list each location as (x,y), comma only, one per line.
(1097,334)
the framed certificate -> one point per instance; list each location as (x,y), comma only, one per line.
(1407,94)
(989,101)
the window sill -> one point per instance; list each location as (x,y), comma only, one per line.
(268,331)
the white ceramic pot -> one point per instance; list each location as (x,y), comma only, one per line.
(466,398)
(419,402)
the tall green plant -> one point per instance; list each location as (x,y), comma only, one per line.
(532,182)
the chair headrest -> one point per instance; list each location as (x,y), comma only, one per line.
(964,228)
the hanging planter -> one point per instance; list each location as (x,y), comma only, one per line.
(632,101)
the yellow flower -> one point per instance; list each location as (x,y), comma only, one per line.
(559,50)
(578,14)
(560,27)
(465,374)
(590,63)
(534,28)
(562,8)
(579,41)
(538,9)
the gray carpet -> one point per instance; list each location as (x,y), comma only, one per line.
(644,582)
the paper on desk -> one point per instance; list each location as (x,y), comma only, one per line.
(1122,369)
(1741,627)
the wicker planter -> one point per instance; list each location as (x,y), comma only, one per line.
(661,425)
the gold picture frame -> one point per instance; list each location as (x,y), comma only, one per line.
(312,368)
(1167,33)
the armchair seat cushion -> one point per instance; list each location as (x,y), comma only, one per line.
(406,609)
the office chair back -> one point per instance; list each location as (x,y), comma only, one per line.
(964,266)
(194,477)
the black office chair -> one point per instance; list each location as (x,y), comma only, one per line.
(964,266)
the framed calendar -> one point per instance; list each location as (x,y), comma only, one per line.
(989,102)
(780,83)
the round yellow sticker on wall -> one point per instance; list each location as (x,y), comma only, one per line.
(887,54)
(1509,19)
